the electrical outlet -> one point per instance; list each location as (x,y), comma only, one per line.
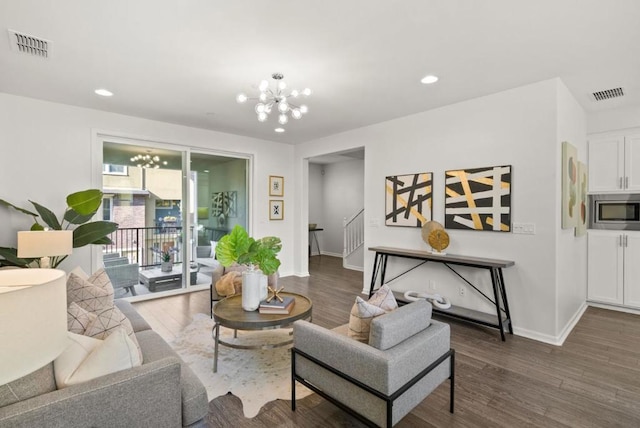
(432,284)
(462,291)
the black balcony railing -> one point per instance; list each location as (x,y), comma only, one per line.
(143,245)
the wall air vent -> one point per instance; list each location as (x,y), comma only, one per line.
(608,94)
(30,45)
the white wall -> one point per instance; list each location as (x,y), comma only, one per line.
(518,127)
(344,197)
(613,119)
(47,153)
(316,197)
(571,251)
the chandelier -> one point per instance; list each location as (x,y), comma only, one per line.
(276,99)
(147,161)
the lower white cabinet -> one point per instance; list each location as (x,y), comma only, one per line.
(614,267)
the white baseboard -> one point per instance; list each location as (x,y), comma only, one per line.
(352,267)
(553,340)
(327,253)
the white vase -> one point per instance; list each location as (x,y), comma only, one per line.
(251,289)
(264,291)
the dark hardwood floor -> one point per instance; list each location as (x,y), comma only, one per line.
(593,380)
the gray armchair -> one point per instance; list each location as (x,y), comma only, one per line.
(407,357)
(123,275)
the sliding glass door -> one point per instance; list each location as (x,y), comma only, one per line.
(171,206)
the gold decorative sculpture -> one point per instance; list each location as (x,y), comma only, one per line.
(433,233)
(274,294)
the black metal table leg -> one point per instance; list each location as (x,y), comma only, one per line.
(497,297)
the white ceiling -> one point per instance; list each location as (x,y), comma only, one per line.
(184,61)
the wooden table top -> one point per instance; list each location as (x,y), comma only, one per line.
(229,313)
(446,258)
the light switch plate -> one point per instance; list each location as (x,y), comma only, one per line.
(524,228)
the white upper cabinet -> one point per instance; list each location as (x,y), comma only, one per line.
(614,164)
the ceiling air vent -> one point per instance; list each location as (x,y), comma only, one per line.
(608,94)
(30,45)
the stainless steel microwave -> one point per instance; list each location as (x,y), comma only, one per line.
(614,211)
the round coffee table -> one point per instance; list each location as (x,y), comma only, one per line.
(229,313)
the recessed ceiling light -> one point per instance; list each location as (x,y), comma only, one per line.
(103,92)
(280,130)
(429,79)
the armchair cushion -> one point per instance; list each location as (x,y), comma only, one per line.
(395,327)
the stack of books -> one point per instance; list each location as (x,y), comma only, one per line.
(275,306)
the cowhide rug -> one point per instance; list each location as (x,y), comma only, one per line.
(256,376)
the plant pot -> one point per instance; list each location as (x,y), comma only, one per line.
(166,266)
(251,289)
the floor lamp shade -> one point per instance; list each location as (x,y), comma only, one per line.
(33,320)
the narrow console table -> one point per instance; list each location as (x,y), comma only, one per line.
(502,319)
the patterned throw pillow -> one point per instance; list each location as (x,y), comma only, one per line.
(92,294)
(78,319)
(107,321)
(363,312)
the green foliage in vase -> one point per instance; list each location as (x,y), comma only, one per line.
(81,207)
(239,247)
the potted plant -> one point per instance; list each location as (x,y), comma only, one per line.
(238,247)
(81,207)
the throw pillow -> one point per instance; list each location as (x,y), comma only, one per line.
(79,272)
(360,319)
(213,249)
(94,359)
(384,298)
(78,319)
(109,320)
(229,284)
(78,350)
(87,295)
(363,312)
(102,280)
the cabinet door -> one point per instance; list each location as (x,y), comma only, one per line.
(632,270)
(606,164)
(632,162)
(605,267)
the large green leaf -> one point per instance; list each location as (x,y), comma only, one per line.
(85,202)
(22,210)
(88,233)
(232,248)
(103,241)
(47,216)
(73,217)
(11,256)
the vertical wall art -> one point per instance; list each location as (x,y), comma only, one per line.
(583,188)
(569,186)
(276,185)
(408,199)
(276,210)
(478,199)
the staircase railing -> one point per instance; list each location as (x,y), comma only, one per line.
(353,233)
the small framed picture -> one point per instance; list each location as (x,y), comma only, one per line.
(276,185)
(276,210)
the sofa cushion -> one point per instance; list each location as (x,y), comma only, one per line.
(78,319)
(195,403)
(37,383)
(85,360)
(395,327)
(363,312)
